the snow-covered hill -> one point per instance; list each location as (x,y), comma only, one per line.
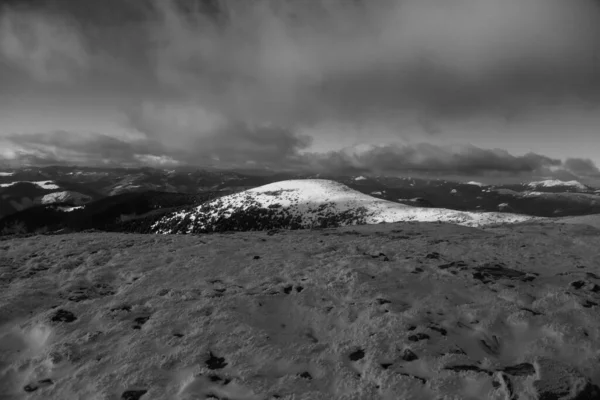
(295,204)
(555,183)
(65,197)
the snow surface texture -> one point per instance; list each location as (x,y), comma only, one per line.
(310,203)
(379,312)
(7,173)
(49,185)
(556,182)
(66,196)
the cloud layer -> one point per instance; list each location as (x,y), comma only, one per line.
(298,62)
(419,159)
(61,147)
(428,158)
(237,81)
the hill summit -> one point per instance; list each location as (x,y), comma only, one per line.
(309,203)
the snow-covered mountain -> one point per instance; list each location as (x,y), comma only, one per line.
(555,183)
(65,197)
(309,203)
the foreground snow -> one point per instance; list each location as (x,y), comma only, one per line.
(314,202)
(378,312)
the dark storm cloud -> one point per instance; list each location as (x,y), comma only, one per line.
(267,145)
(234,70)
(294,62)
(582,167)
(62,147)
(197,135)
(234,145)
(429,158)
(275,148)
(46,46)
(302,62)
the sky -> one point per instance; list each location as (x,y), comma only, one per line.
(477,88)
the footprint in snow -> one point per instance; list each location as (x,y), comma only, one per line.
(587,285)
(357,355)
(133,394)
(467,368)
(489,273)
(380,256)
(88,291)
(218,379)
(523,369)
(418,337)
(139,321)
(215,362)
(32,387)
(289,288)
(433,256)
(124,307)
(408,355)
(61,315)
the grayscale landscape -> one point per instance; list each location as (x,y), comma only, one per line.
(299,199)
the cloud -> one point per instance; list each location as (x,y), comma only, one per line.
(299,62)
(235,81)
(431,159)
(582,167)
(234,145)
(294,62)
(61,147)
(275,148)
(48,47)
(197,135)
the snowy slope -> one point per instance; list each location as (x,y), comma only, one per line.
(310,203)
(64,197)
(376,312)
(558,183)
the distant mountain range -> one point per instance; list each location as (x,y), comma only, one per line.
(73,198)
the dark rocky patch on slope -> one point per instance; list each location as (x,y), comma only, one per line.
(251,216)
